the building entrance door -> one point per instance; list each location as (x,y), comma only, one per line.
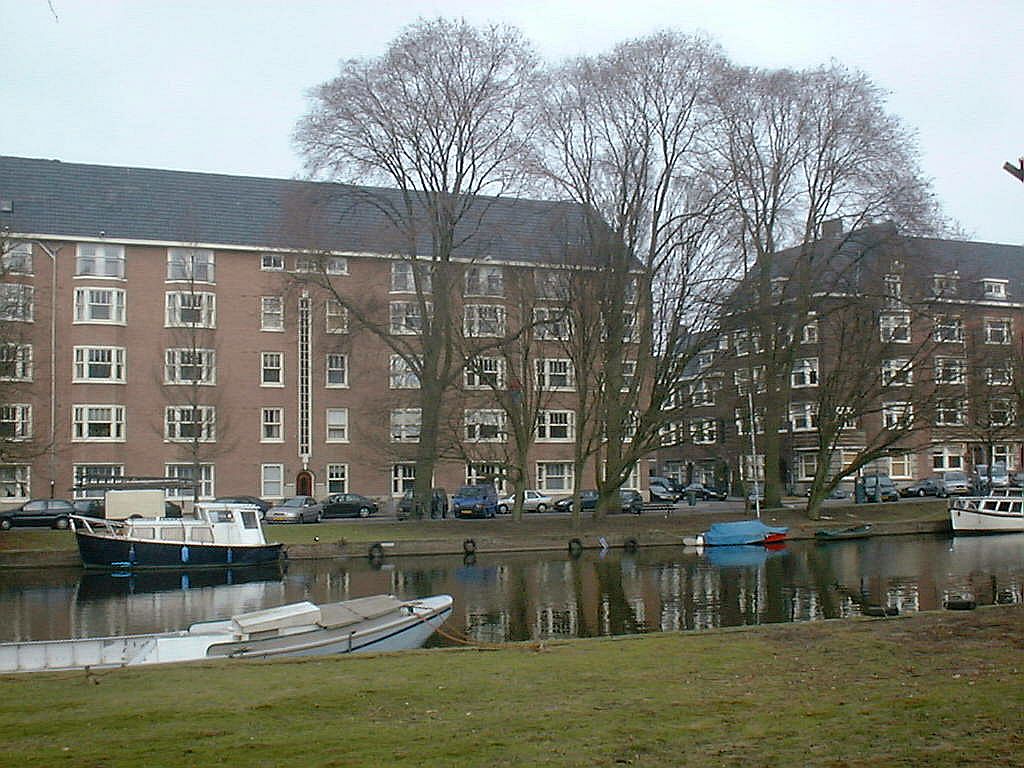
(304,484)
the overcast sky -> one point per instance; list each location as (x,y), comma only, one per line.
(218,85)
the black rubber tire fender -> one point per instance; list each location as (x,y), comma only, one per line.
(469,547)
(376,551)
(575,547)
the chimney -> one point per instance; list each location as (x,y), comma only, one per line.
(831,229)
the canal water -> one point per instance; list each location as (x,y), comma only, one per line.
(533,596)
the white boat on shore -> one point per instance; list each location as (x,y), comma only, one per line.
(377,623)
(1002,511)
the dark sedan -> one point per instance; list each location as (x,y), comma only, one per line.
(55,513)
(929,486)
(704,493)
(630,501)
(348,505)
(257,502)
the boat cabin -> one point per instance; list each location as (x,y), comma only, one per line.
(220,523)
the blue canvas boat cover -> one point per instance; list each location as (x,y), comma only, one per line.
(739,532)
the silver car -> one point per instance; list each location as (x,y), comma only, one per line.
(297,509)
(533,501)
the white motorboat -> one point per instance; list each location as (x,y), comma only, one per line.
(377,623)
(1002,511)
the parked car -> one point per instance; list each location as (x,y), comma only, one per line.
(438,504)
(704,493)
(588,501)
(297,509)
(956,483)
(257,502)
(90,508)
(662,489)
(879,488)
(475,501)
(533,501)
(56,513)
(836,493)
(927,486)
(632,501)
(1017,480)
(348,505)
(999,478)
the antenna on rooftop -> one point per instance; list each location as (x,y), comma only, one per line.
(1015,170)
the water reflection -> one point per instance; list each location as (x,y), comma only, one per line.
(501,598)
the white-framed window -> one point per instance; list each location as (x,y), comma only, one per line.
(15,362)
(805,373)
(99,260)
(702,393)
(405,275)
(803,417)
(901,466)
(806,465)
(271,369)
(336,421)
(14,482)
(190,422)
(405,318)
(672,433)
(190,366)
(16,258)
(403,477)
(483,320)
(630,332)
(628,375)
(194,265)
(401,375)
(741,417)
(895,327)
(704,431)
(272,481)
(741,379)
(556,426)
(778,287)
(809,332)
(554,476)
(893,286)
(551,324)
(1001,412)
(555,373)
(897,372)
(745,342)
(99,305)
(950,370)
(16,421)
(478,474)
(272,262)
(272,425)
(336,265)
(406,424)
(337,478)
(950,412)
(337,370)
(551,284)
(271,313)
(99,364)
(485,281)
(94,473)
(705,359)
(203,479)
(993,288)
(98,423)
(1003,453)
(946,458)
(945,285)
(998,330)
(16,302)
(485,425)
(897,415)
(327,265)
(752,467)
(336,317)
(948,328)
(186,309)
(999,375)
(485,373)
(846,417)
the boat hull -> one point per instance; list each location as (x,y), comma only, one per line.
(109,552)
(966,520)
(737,533)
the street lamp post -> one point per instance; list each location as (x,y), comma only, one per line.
(52,447)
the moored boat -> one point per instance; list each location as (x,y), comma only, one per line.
(738,532)
(215,535)
(1002,511)
(840,534)
(376,623)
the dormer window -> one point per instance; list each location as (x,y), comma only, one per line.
(945,285)
(994,289)
(893,289)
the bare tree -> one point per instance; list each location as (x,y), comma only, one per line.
(622,134)
(796,150)
(438,117)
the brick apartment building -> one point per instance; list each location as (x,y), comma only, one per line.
(949,319)
(125,289)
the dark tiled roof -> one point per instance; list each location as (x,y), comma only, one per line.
(53,198)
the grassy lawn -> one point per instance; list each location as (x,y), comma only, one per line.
(932,689)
